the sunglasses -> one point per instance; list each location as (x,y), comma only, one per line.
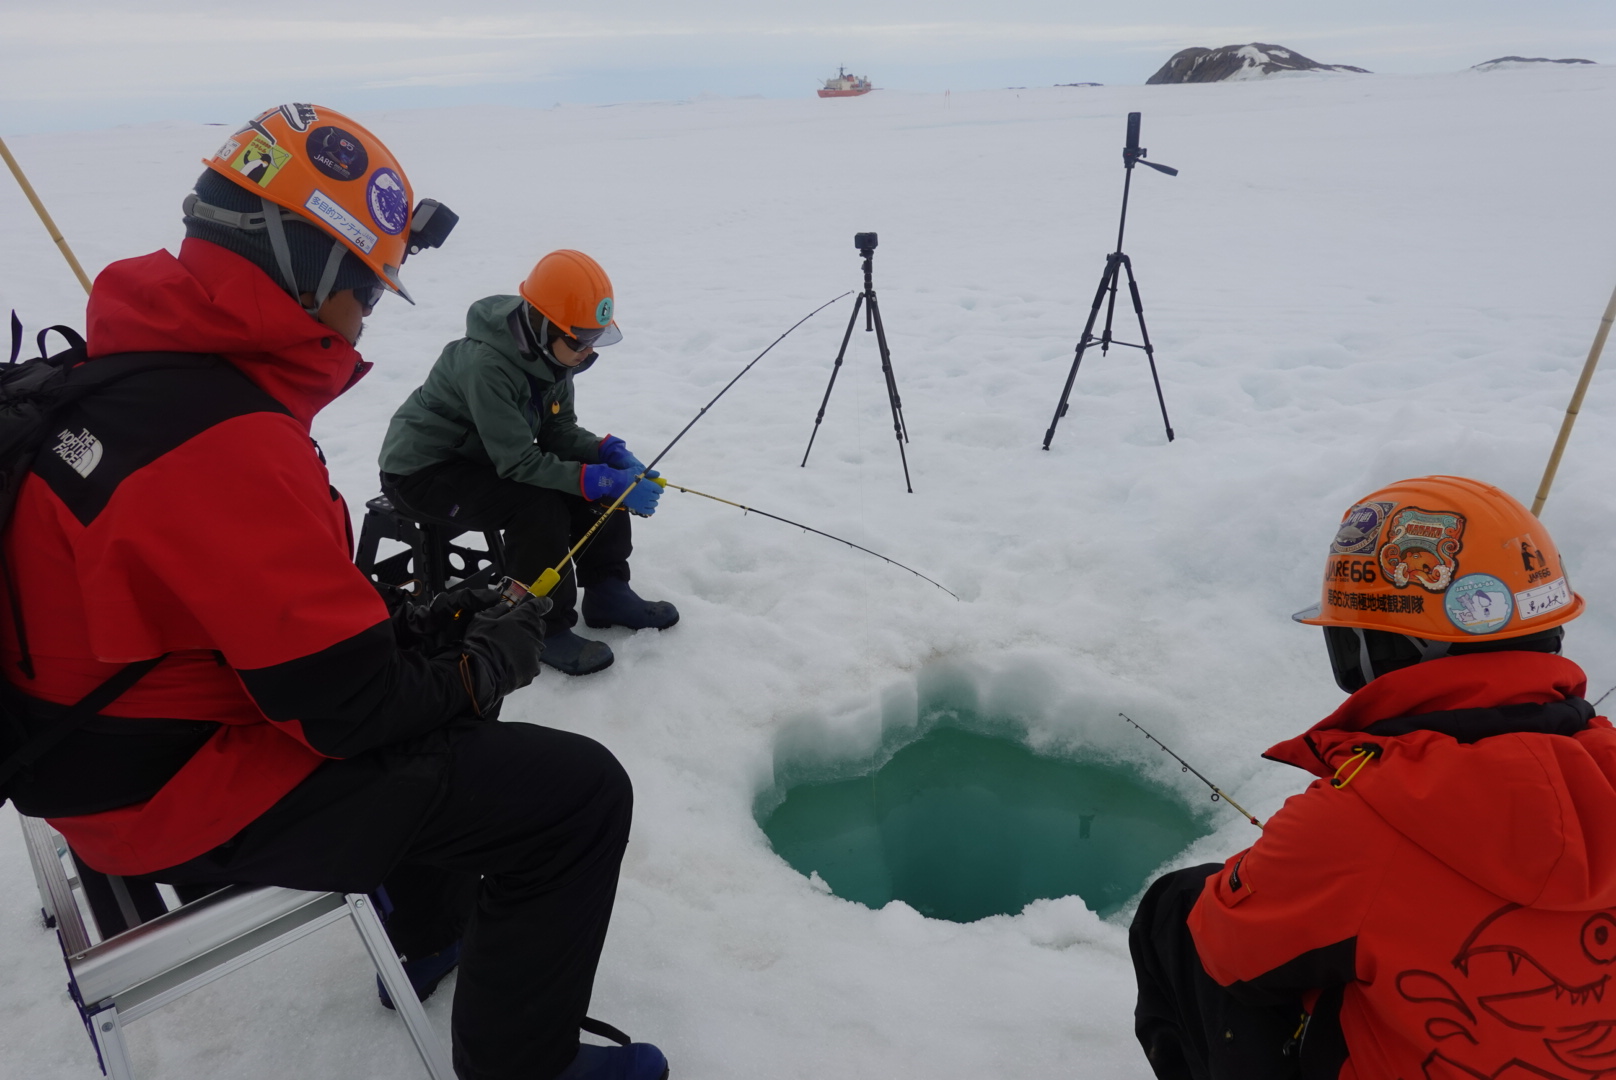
(370,296)
(582,339)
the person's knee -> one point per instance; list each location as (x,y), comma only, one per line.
(615,793)
(1173,894)
(599,788)
(1164,910)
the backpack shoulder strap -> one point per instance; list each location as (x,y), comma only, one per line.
(76,717)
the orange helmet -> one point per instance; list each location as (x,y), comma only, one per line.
(573,292)
(1443,558)
(328,171)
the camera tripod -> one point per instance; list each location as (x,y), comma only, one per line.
(1117,264)
(866,242)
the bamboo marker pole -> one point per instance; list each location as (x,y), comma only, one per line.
(39,208)
(1575,406)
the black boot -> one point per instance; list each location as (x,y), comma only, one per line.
(573,655)
(612,603)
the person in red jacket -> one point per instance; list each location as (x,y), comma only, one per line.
(1441,901)
(300,730)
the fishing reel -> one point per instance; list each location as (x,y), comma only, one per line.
(513,592)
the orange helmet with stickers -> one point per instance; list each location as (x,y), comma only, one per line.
(1443,558)
(332,173)
(573,292)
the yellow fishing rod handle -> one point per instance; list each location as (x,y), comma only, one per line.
(548,580)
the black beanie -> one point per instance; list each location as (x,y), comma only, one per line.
(310,247)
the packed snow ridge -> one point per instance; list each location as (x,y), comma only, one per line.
(1232,62)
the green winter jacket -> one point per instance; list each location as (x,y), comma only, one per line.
(487,400)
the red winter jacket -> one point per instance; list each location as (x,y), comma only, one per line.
(203,526)
(1451,911)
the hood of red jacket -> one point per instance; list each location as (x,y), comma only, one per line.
(1528,816)
(209,300)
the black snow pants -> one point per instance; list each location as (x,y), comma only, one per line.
(1190,1027)
(505,836)
(539,524)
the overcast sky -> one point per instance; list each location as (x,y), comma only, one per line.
(94,63)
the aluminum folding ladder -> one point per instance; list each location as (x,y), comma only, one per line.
(124,977)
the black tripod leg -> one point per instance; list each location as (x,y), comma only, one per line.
(1082,344)
(898,427)
(886,369)
(836,367)
(1111,300)
(1150,352)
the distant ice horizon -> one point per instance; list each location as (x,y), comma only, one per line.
(90,64)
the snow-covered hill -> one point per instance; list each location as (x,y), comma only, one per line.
(1351,281)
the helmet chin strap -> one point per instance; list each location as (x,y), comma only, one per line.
(270,221)
(283,259)
(1428,650)
(1366,667)
(544,337)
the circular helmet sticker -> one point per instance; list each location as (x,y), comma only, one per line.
(389,205)
(1360,529)
(337,153)
(1478,603)
(603,311)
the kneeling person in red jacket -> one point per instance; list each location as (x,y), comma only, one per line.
(295,731)
(1441,902)
(491,441)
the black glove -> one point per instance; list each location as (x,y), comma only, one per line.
(500,651)
(439,625)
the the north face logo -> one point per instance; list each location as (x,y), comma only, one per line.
(81,451)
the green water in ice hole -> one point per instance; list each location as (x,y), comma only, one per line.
(960,826)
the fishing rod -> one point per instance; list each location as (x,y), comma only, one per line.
(737,379)
(551,577)
(1217,792)
(1576,405)
(805,528)
(44,216)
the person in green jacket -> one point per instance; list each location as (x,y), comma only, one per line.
(490,441)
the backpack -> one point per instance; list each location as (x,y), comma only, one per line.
(33,394)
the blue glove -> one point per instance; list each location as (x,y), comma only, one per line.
(602,482)
(615,453)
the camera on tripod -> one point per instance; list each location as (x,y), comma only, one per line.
(1116,265)
(1133,153)
(866,302)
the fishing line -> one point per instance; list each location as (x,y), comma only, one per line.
(737,379)
(1217,792)
(805,528)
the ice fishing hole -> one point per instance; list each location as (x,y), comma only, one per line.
(962,825)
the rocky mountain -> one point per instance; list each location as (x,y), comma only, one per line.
(1517,61)
(1198,65)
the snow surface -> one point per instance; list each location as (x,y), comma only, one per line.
(1352,281)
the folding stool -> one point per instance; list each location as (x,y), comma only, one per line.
(433,559)
(159,960)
